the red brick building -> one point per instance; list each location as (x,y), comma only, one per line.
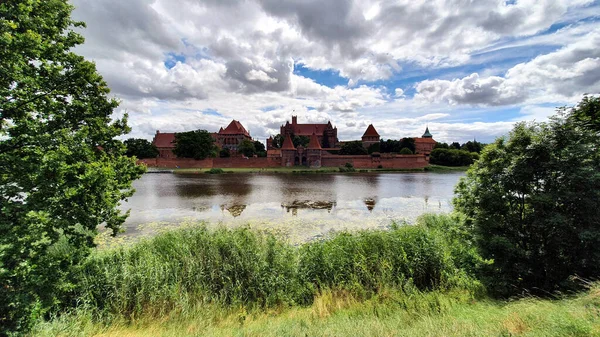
(326,134)
(425,144)
(230,138)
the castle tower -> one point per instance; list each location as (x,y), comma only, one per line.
(288,152)
(370,137)
(314,152)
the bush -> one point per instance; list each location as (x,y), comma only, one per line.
(348,167)
(405,150)
(450,157)
(215,171)
(533,200)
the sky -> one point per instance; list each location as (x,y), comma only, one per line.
(467,69)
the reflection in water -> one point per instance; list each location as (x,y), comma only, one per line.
(303,206)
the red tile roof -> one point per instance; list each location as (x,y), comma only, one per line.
(287,143)
(234,128)
(314,143)
(164,139)
(309,129)
(371,132)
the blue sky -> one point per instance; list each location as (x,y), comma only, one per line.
(468,70)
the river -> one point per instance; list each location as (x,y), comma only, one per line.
(299,206)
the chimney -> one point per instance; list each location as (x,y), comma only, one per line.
(294,120)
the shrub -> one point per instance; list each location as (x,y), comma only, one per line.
(348,167)
(215,171)
(533,200)
(405,150)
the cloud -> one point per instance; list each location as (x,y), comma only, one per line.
(557,76)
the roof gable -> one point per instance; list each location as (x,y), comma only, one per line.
(234,128)
(371,132)
(313,144)
(287,143)
(164,139)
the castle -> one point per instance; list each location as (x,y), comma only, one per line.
(323,142)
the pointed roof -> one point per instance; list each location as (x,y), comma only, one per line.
(234,128)
(164,139)
(313,144)
(287,143)
(427,134)
(371,132)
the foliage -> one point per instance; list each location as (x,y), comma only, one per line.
(185,268)
(533,199)
(277,141)
(450,157)
(353,148)
(395,146)
(455,145)
(215,171)
(259,146)
(140,148)
(225,153)
(374,148)
(405,150)
(197,144)
(247,148)
(300,140)
(348,167)
(62,171)
(472,146)
(586,114)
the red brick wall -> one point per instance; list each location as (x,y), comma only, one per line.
(366,161)
(359,162)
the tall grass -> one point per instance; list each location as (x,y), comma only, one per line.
(180,272)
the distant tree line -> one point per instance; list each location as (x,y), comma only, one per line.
(455,154)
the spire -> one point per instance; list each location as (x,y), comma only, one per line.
(287,143)
(427,134)
(313,144)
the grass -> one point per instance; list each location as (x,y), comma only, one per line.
(441,168)
(390,313)
(410,280)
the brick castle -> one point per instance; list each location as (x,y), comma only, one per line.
(322,143)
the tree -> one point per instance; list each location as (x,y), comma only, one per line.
(472,146)
(300,141)
(455,145)
(224,153)
(62,170)
(140,148)
(408,143)
(353,148)
(197,144)
(247,148)
(450,157)
(259,146)
(439,145)
(374,148)
(533,201)
(405,150)
(277,141)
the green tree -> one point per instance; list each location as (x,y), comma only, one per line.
(405,150)
(247,148)
(472,146)
(259,146)
(353,148)
(140,148)
(451,157)
(277,141)
(224,153)
(300,140)
(197,144)
(374,148)
(533,200)
(408,143)
(62,170)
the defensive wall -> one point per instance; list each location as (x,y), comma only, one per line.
(391,161)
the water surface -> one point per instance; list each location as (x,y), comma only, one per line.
(301,206)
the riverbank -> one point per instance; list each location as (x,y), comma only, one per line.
(406,281)
(387,314)
(323,170)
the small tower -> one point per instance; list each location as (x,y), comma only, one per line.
(370,137)
(314,152)
(288,152)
